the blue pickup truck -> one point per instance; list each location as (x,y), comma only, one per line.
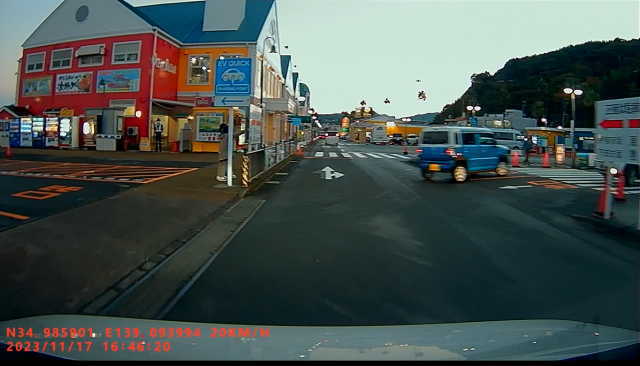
(460,151)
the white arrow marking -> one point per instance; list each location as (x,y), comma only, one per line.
(515,187)
(328,174)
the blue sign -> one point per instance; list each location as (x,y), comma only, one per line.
(295,121)
(473,121)
(233,77)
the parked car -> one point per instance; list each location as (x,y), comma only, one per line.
(460,151)
(396,139)
(412,139)
(513,139)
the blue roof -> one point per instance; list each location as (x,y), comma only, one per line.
(296,75)
(184,21)
(285,60)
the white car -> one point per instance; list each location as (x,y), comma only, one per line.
(412,139)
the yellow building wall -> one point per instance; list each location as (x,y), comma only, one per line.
(202,146)
(214,54)
(404,130)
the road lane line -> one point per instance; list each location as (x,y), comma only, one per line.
(374,155)
(360,155)
(319,155)
(387,156)
(13,216)
(401,156)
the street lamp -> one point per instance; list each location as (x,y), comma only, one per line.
(473,109)
(573,93)
(544,120)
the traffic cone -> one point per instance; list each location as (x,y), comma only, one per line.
(602,201)
(545,160)
(619,196)
(7,152)
(515,159)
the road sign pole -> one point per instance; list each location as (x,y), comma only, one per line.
(607,191)
(230,146)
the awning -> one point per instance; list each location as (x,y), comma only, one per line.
(52,111)
(171,103)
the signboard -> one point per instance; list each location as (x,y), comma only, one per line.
(204,101)
(233,101)
(233,77)
(37,87)
(560,154)
(208,127)
(118,81)
(66,112)
(75,83)
(618,131)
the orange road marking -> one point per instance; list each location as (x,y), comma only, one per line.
(36,195)
(14,216)
(510,177)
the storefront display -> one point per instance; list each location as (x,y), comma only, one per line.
(26,136)
(51,132)
(89,129)
(37,129)
(14,133)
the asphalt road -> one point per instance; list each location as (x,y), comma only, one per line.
(380,246)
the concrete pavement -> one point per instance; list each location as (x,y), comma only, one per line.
(380,246)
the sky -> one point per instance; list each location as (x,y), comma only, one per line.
(353,50)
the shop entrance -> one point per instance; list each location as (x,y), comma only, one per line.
(89,130)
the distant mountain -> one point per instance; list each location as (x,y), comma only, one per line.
(534,84)
(426,117)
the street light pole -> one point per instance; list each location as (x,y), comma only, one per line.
(572,134)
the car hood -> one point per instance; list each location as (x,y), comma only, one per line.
(497,340)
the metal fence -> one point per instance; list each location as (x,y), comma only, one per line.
(258,162)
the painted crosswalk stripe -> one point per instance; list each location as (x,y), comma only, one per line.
(333,155)
(401,156)
(319,154)
(346,155)
(588,185)
(360,155)
(387,156)
(374,155)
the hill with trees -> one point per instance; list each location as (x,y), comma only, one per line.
(603,70)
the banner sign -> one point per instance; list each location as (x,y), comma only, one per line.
(37,87)
(208,127)
(233,77)
(76,83)
(118,81)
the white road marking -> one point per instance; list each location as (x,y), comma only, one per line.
(374,155)
(333,155)
(360,155)
(273,182)
(387,156)
(346,155)
(319,154)
(401,156)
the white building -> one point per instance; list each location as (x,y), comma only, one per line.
(512,118)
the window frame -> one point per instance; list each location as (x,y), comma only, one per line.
(44,62)
(51,67)
(113,53)
(93,65)
(445,133)
(190,68)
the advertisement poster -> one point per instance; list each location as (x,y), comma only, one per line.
(37,87)
(118,81)
(255,128)
(208,127)
(76,83)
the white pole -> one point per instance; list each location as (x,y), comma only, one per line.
(607,202)
(230,143)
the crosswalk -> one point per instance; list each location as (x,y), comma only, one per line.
(580,178)
(358,155)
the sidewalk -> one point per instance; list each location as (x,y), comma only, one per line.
(59,264)
(624,219)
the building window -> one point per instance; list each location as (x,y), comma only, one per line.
(35,62)
(129,106)
(90,55)
(126,53)
(199,70)
(61,59)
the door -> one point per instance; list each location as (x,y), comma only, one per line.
(89,128)
(471,150)
(490,152)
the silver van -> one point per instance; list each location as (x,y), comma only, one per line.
(513,139)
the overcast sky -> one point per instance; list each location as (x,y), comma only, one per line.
(349,50)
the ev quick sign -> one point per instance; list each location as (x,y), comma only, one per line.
(233,77)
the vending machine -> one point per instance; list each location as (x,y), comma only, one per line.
(65,133)
(37,128)
(51,132)
(26,134)
(14,133)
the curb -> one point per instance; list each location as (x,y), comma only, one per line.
(609,225)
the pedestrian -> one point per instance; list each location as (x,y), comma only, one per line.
(526,146)
(158,127)
(223,155)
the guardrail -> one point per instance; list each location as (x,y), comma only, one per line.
(258,164)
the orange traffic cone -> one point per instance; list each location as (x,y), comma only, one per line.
(515,159)
(619,196)
(602,201)
(7,152)
(545,160)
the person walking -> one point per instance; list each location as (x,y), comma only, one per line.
(158,128)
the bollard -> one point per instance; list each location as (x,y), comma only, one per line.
(515,159)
